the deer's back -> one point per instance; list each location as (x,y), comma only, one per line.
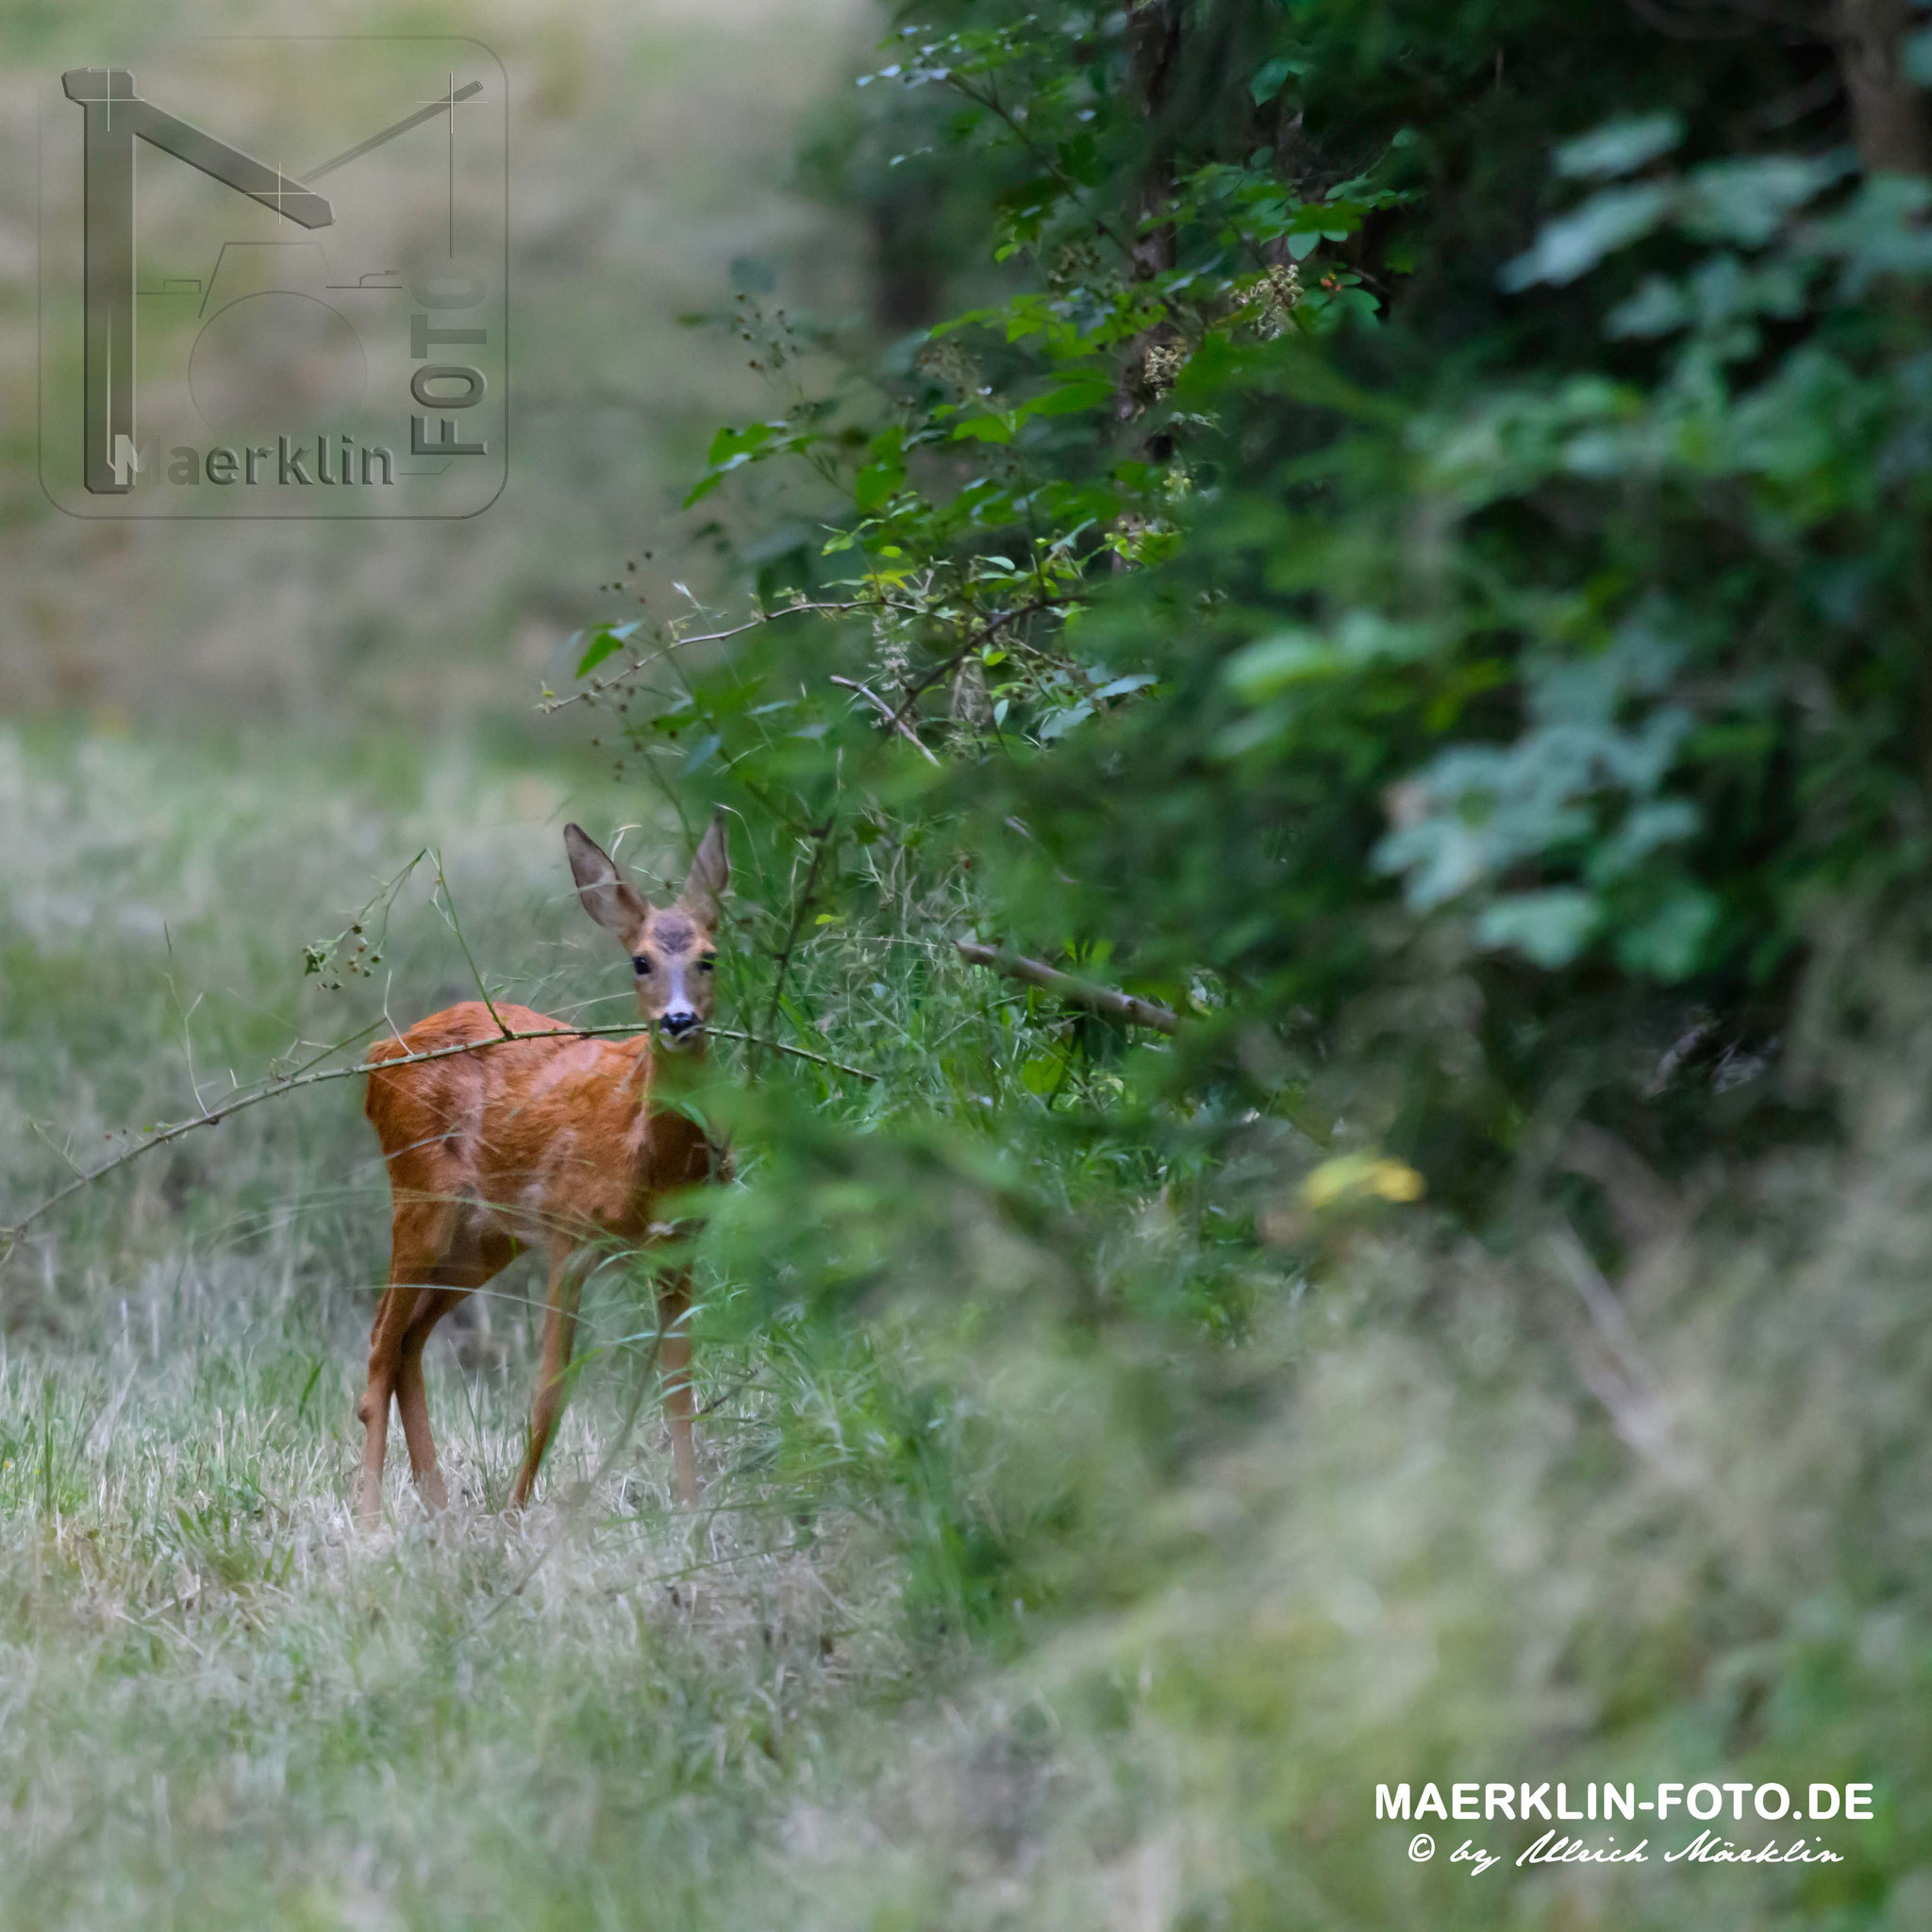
(535,1133)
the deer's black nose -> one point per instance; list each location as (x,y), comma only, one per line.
(678,1022)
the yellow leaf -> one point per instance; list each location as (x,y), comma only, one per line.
(1360,1176)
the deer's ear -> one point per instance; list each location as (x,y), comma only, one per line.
(710,873)
(608,897)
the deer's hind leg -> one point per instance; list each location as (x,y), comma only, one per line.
(460,1275)
(423,1268)
(567,1269)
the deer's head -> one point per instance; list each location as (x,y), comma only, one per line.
(672,949)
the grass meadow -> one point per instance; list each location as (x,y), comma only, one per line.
(224,1706)
(992,1616)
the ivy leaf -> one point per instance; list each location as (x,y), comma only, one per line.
(1574,245)
(1620,147)
(1549,929)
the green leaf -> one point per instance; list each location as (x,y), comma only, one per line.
(1273,76)
(605,641)
(1362,638)
(1059,723)
(1574,245)
(1620,147)
(602,646)
(876,484)
(738,442)
(1549,929)
(1086,387)
(1748,201)
(1042,1073)
(1669,945)
(985,428)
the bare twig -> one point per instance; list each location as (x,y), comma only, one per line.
(214,1116)
(822,834)
(599,686)
(893,721)
(456,927)
(984,635)
(797,1053)
(1123,1006)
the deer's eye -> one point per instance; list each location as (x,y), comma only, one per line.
(707,962)
(641,964)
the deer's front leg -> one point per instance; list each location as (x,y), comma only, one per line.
(559,1336)
(674,1357)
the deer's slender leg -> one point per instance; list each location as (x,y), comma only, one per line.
(392,1315)
(448,1285)
(418,1235)
(673,1358)
(559,1336)
(412,1402)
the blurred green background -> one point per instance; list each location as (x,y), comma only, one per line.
(651,179)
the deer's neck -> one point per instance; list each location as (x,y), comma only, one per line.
(662,1078)
(665,1141)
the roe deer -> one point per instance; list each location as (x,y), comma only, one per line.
(551,1143)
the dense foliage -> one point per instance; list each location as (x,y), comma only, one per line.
(1412,546)
(1400,530)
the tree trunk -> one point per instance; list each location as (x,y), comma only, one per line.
(1154,44)
(1889,120)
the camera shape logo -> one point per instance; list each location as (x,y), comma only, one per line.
(273,281)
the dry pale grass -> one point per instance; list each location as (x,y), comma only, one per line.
(226,1708)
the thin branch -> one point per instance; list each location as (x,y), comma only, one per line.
(1123,1006)
(213,1117)
(797,1053)
(457,926)
(893,721)
(800,905)
(599,686)
(991,101)
(984,635)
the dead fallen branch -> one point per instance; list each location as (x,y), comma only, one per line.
(273,1089)
(1107,1000)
